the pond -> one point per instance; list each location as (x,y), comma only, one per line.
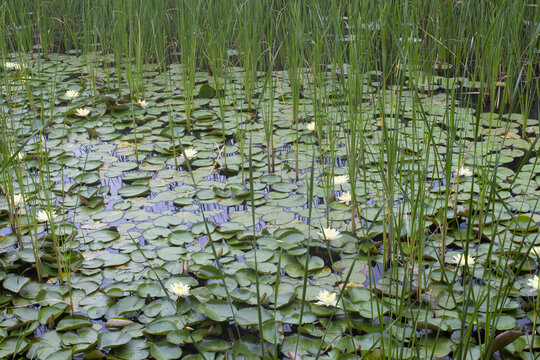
(387,226)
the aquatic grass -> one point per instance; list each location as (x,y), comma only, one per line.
(254,248)
(294,47)
(62,242)
(186,20)
(443,31)
(308,243)
(215,50)
(14,164)
(173,133)
(15,204)
(249,40)
(268,116)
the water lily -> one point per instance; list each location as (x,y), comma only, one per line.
(534,283)
(82,112)
(12,65)
(330,234)
(460,260)
(341,180)
(326,298)
(18,200)
(311,126)
(142,103)
(20,155)
(345,198)
(179,289)
(71,94)
(463,171)
(190,153)
(43,216)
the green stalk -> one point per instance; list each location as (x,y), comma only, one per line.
(254,248)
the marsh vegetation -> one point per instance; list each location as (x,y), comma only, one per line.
(269,179)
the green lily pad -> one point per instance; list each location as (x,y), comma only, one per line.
(11,346)
(150,289)
(84,335)
(65,354)
(133,176)
(314,262)
(436,347)
(160,327)
(214,345)
(15,283)
(128,305)
(105,235)
(90,165)
(206,91)
(250,316)
(180,237)
(111,259)
(156,232)
(217,310)
(73,322)
(279,218)
(113,339)
(87,178)
(134,191)
(170,253)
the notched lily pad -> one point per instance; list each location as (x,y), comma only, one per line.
(15,283)
(113,339)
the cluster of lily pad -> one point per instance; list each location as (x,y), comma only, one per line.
(161,265)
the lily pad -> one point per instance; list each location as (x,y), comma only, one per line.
(134,191)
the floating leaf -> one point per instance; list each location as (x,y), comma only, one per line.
(165,351)
(134,191)
(217,310)
(160,327)
(15,283)
(250,316)
(112,339)
(206,91)
(214,345)
(73,322)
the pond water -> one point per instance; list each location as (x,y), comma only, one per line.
(418,218)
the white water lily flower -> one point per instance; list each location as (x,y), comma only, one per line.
(311,126)
(82,112)
(341,180)
(71,94)
(20,155)
(326,298)
(463,171)
(460,260)
(18,200)
(179,289)
(534,283)
(345,198)
(12,66)
(142,103)
(330,234)
(190,153)
(43,216)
